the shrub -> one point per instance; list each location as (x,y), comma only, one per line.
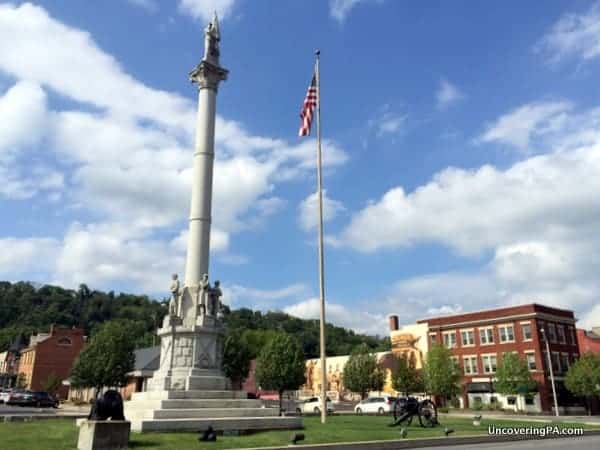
(477,404)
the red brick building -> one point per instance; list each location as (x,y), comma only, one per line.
(479,339)
(589,341)
(48,353)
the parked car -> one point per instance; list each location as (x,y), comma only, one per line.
(44,399)
(19,397)
(4,395)
(313,405)
(378,405)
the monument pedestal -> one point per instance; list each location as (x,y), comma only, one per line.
(196,410)
(189,391)
(190,356)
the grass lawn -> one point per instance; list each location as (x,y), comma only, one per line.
(62,434)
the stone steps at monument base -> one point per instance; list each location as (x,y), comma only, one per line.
(202,413)
(218,424)
(196,394)
(187,403)
(190,382)
(209,383)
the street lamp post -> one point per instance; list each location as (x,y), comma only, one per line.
(551,371)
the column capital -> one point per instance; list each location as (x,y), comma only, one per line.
(208,75)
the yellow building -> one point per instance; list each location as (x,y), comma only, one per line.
(335,376)
(409,340)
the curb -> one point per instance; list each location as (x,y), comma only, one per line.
(32,417)
(422,443)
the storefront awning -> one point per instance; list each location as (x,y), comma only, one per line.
(479,388)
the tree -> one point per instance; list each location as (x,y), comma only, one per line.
(362,373)
(52,383)
(407,378)
(440,373)
(107,359)
(21,381)
(583,378)
(236,358)
(513,376)
(280,365)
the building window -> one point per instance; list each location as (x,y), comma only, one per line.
(561,334)
(486,336)
(455,360)
(552,332)
(470,365)
(450,339)
(564,361)
(526,328)
(572,334)
(555,362)
(433,338)
(531,361)
(489,363)
(468,338)
(507,333)
(65,341)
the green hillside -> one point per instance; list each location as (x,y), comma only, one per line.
(26,308)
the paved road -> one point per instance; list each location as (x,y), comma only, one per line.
(13,410)
(580,443)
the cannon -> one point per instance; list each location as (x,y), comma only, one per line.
(108,406)
(405,408)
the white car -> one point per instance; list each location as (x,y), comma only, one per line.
(313,405)
(378,405)
(4,396)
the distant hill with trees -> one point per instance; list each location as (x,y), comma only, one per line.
(26,308)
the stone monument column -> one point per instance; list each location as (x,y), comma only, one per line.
(207,76)
(192,334)
(189,390)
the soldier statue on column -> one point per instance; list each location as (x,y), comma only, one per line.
(211,41)
(203,294)
(214,298)
(174,307)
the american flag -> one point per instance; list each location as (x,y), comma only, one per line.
(310,102)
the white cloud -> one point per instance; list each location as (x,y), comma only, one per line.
(519,126)
(573,35)
(339,9)
(454,293)
(103,254)
(341,315)
(133,166)
(23,257)
(308,210)
(591,318)
(23,115)
(475,210)
(35,47)
(538,218)
(387,122)
(264,299)
(447,94)
(204,9)
(390,124)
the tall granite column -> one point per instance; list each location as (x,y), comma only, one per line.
(207,75)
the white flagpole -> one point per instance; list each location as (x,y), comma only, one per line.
(321,263)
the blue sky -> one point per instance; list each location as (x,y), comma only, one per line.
(461,146)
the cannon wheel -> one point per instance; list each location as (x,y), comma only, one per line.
(427,414)
(400,414)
